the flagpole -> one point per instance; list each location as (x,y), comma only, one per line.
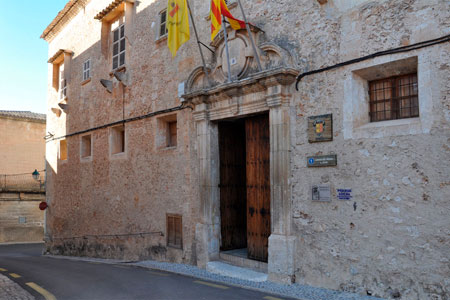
(250,36)
(226,47)
(205,69)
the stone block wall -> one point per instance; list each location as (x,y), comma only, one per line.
(20,218)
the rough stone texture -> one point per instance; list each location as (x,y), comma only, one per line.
(12,291)
(390,240)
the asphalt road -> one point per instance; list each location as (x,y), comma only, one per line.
(78,280)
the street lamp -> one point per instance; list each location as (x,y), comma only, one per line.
(36,175)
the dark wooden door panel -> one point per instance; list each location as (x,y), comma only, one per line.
(258,186)
(233,197)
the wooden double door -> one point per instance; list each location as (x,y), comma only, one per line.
(244,150)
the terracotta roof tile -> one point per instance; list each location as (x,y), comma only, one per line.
(17,114)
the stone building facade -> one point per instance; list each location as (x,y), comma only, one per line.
(152,157)
(22,150)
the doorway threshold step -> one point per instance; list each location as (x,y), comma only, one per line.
(225,269)
(238,257)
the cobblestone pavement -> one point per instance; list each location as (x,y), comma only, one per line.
(9,290)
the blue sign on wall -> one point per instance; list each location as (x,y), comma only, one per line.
(344,194)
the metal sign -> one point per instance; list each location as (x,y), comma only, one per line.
(322,160)
(321,193)
(320,128)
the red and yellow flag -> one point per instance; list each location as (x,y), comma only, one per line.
(177,24)
(218,9)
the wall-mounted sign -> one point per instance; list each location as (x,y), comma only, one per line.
(320,128)
(344,194)
(322,160)
(321,193)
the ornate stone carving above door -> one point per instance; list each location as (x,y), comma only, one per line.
(242,60)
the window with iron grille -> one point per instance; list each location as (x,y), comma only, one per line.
(174,231)
(394,98)
(162,23)
(118,56)
(87,70)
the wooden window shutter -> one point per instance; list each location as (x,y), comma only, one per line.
(174,231)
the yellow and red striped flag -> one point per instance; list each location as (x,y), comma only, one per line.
(219,8)
(177,24)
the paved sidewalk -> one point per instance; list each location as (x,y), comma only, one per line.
(9,290)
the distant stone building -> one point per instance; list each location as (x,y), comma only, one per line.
(22,150)
(343,184)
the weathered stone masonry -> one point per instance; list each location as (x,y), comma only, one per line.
(391,238)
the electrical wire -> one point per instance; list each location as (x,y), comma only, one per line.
(402,49)
(152,114)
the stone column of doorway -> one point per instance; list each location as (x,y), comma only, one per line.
(207,232)
(281,263)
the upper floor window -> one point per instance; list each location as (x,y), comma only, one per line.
(118,55)
(62,83)
(394,98)
(87,70)
(162,23)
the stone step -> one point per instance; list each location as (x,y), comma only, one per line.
(242,261)
(225,269)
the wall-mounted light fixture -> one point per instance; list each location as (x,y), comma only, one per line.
(63,106)
(121,77)
(56,111)
(108,84)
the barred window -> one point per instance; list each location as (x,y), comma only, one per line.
(394,98)
(118,56)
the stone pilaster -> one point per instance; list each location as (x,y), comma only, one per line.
(281,242)
(208,230)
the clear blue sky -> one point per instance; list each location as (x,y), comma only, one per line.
(23,55)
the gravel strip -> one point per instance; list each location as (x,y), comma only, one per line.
(298,291)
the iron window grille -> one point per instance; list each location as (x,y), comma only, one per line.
(87,70)
(394,98)
(118,57)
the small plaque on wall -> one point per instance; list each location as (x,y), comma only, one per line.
(321,193)
(320,128)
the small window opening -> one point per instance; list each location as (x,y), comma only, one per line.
(87,70)
(63,150)
(174,231)
(86,146)
(162,23)
(394,98)
(118,139)
(172,134)
(62,84)
(118,56)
